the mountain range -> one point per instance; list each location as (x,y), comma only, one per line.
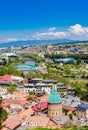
(37,42)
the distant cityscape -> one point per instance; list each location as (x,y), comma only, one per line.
(44,86)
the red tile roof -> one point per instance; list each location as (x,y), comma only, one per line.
(8,77)
(9,101)
(69,87)
(5,77)
(11,123)
(23,102)
(14,109)
(45,98)
(5,104)
(43,105)
(69,108)
(26,113)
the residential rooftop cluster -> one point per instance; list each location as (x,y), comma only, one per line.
(47,94)
(44,107)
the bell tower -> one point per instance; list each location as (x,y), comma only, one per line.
(54,104)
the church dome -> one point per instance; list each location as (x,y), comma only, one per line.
(54,97)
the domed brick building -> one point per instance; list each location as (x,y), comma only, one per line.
(54,105)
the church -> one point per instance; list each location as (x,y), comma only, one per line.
(55,109)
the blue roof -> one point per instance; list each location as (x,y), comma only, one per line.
(82,107)
(54,97)
(64,60)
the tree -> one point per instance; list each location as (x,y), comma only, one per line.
(29,98)
(70,116)
(31,93)
(39,94)
(3,113)
(81,90)
(0,99)
(33,56)
(73,75)
(22,74)
(84,74)
(67,71)
(11,69)
(11,88)
(16,60)
(3,70)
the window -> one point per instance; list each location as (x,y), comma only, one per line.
(52,113)
(56,113)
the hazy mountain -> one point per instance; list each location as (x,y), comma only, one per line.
(36,42)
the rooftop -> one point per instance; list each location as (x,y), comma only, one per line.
(11,123)
(82,107)
(62,121)
(69,108)
(42,105)
(54,96)
(36,121)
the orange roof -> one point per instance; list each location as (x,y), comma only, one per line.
(20,93)
(5,104)
(11,101)
(69,108)
(25,113)
(11,123)
(15,109)
(23,102)
(45,97)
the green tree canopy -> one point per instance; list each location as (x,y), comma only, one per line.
(3,114)
(11,89)
(31,93)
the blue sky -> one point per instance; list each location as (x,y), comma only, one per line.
(43,19)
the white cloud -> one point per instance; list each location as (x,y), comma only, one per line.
(77,29)
(52,29)
(78,32)
(8,40)
(13,40)
(75,32)
(49,35)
